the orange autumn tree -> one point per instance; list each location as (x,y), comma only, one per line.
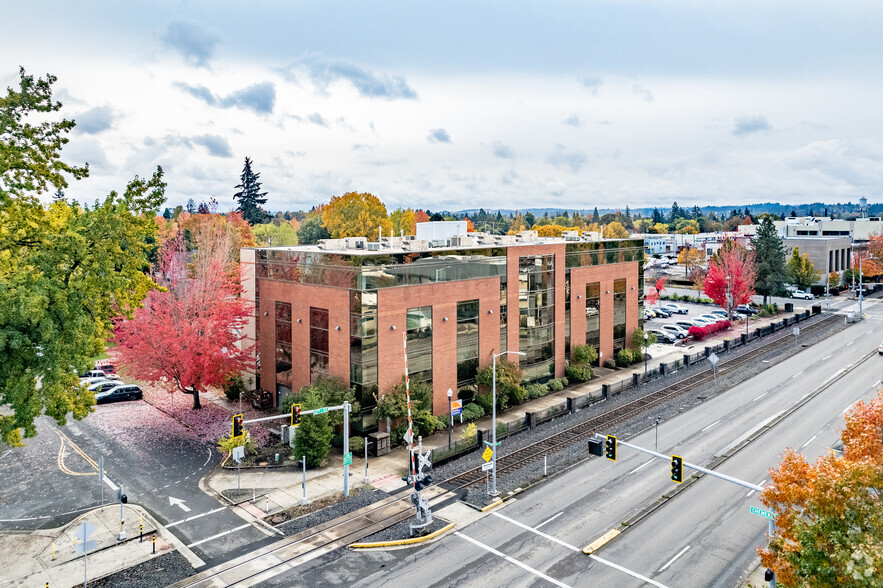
(829,524)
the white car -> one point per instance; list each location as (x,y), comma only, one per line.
(711,318)
(702,322)
(674,308)
(802,295)
(675,330)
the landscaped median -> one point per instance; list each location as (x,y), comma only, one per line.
(403,542)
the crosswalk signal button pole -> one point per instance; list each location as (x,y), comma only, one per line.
(677,469)
(610,448)
(237,426)
(295,415)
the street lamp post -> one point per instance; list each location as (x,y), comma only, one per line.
(494,415)
(646,342)
(451,412)
(860,288)
(659,418)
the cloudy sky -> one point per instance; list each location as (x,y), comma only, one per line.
(467,103)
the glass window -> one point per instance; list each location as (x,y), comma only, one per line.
(419,329)
(593,314)
(536,320)
(619,311)
(283,343)
(467,342)
(318,342)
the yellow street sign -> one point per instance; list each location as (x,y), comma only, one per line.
(488,454)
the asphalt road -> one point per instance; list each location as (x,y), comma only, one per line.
(705,536)
(54,478)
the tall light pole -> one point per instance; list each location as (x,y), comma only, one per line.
(494,416)
(658,419)
(646,342)
(451,412)
(860,288)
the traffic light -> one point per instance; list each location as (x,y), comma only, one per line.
(121,495)
(238,430)
(610,448)
(295,415)
(677,469)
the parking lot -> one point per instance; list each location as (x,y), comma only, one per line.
(693,311)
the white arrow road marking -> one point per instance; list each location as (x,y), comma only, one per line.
(672,560)
(179,503)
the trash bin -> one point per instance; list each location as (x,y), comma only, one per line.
(378,444)
(789,307)
(850,317)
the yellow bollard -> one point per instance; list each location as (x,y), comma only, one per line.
(53,552)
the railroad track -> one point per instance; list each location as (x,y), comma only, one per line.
(253,568)
(586,429)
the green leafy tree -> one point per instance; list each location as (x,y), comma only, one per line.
(529,219)
(272,235)
(313,437)
(801,270)
(249,196)
(394,406)
(769,257)
(65,270)
(509,388)
(356,215)
(312,229)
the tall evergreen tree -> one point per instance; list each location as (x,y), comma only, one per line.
(250,197)
(58,196)
(191,206)
(676,213)
(696,213)
(167,213)
(657,217)
(769,254)
(596,218)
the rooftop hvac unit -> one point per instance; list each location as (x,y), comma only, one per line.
(372,246)
(438,243)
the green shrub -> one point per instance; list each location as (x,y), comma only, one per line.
(580,373)
(624,357)
(233,387)
(638,339)
(537,390)
(609,363)
(556,385)
(584,354)
(502,428)
(563,381)
(517,395)
(442,422)
(485,401)
(357,445)
(472,411)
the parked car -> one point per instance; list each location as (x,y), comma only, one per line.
(649,315)
(92,380)
(662,312)
(663,336)
(803,295)
(712,318)
(93,374)
(720,313)
(675,330)
(702,322)
(675,308)
(746,309)
(103,385)
(686,324)
(880,349)
(119,392)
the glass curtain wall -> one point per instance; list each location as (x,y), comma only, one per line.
(283,349)
(593,315)
(618,315)
(467,342)
(419,323)
(318,342)
(363,354)
(536,316)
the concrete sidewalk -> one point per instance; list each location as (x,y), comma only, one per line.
(278,489)
(48,556)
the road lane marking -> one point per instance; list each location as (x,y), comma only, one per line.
(201,541)
(648,462)
(569,546)
(759,397)
(208,459)
(540,533)
(850,343)
(813,438)
(711,425)
(827,357)
(549,520)
(869,332)
(196,517)
(672,560)
(797,374)
(762,482)
(512,560)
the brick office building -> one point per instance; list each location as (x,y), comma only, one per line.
(343,307)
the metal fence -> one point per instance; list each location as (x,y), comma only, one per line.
(459,446)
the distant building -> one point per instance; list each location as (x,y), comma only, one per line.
(860,229)
(346,307)
(828,254)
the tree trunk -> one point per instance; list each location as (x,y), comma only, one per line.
(195,393)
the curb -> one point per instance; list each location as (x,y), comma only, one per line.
(601,541)
(380,544)
(491,505)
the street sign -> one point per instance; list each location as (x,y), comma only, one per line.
(238,454)
(796,331)
(713,359)
(82,534)
(486,466)
(324,409)
(456,407)
(762,513)
(408,436)
(348,458)
(488,454)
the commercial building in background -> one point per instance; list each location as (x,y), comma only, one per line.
(345,307)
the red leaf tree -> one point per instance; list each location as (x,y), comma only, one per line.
(658,288)
(730,279)
(189,336)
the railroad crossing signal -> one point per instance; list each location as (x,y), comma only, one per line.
(610,448)
(677,469)
(295,415)
(238,429)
